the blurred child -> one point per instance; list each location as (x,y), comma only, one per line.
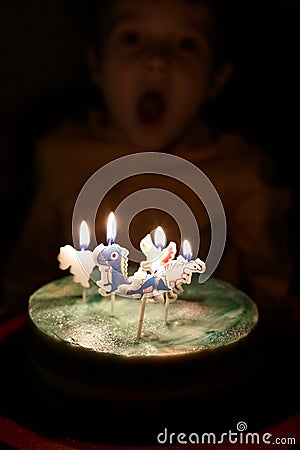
(157,65)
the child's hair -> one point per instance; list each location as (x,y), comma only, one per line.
(95,23)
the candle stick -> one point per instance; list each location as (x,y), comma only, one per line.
(142,314)
(153,287)
(84,241)
(112,303)
(111,232)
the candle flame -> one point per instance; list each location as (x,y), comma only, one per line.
(84,236)
(111,229)
(187,250)
(160,238)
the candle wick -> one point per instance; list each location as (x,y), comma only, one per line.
(166,308)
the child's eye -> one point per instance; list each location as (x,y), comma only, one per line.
(188,44)
(130,38)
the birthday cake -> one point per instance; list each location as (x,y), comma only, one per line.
(142,341)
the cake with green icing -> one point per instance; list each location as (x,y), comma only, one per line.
(81,354)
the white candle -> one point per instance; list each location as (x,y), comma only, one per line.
(80,262)
(180,272)
(157,254)
(112,261)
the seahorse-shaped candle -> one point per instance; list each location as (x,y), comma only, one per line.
(112,261)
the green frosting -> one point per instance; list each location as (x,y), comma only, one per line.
(206,316)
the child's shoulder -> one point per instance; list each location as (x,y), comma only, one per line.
(246,160)
(238,147)
(70,130)
(242,152)
(230,151)
(75,141)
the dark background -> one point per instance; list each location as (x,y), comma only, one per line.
(43,79)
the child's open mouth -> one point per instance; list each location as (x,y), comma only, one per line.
(151,107)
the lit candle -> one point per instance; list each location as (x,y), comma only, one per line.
(184,267)
(176,274)
(80,263)
(112,262)
(180,272)
(157,254)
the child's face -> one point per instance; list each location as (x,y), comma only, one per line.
(156,69)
